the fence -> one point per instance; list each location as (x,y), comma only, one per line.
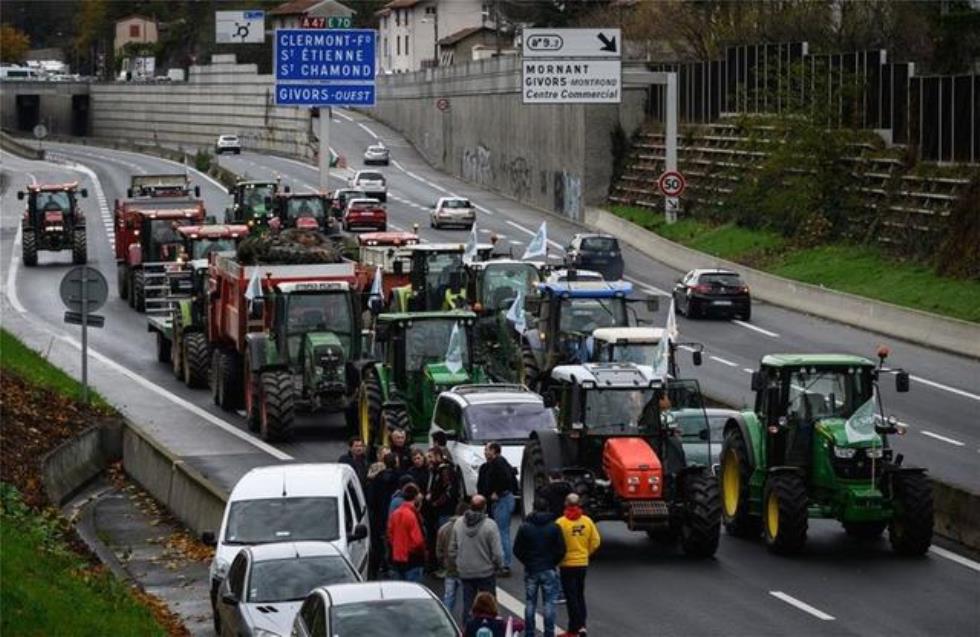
(938,115)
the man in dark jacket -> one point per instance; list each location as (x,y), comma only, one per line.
(356,457)
(555,491)
(540,546)
(496,482)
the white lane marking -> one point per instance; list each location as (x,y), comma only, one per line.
(953,390)
(11,284)
(723,361)
(516,243)
(532,233)
(747,370)
(343,116)
(514,605)
(686,348)
(755,328)
(942,438)
(652,289)
(100,197)
(959,559)
(368,130)
(803,606)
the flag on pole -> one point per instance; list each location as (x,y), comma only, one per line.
(254,289)
(860,427)
(454,353)
(515,315)
(672,330)
(661,356)
(539,244)
(376,289)
(469,252)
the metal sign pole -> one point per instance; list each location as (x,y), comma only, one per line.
(85,334)
(325,148)
(670,158)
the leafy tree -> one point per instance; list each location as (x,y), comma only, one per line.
(14,44)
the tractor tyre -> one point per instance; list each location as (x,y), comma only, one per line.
(784,506)
(277,403)
(29,247)
(534,476)
(529,370)
(163,348)
(369,408)
(195,353)
(701,527)
(122,282)
(395,417)
(864,530)
(79,247)
(735,473)
(253,399)
(225,379)
(177,357)
(910,531)
(139,291)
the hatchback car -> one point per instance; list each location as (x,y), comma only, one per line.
(365,213)
(376,154)
(452,211)
(291,503)
(228,144)
(472,415)
(371,182)
(597,252)
(266,584)
(718,292)
(374,609)
(700,447)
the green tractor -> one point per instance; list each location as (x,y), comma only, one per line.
(814,447)
(253,203)
(400,390)
(437,277)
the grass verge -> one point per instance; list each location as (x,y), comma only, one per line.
(862,270)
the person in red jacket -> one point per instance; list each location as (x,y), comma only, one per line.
(405,537)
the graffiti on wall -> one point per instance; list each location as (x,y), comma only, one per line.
(568,194)
(477,166)
(519,178)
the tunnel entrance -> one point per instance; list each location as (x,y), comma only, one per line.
(28,112)
(79,115)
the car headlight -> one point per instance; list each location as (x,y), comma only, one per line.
(844,452)
(875,452)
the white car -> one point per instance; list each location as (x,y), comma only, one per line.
(376,154)
(371,182)
(561,276)
(292,503)
(473,415)
(374,608)
(453,211)
(228,144)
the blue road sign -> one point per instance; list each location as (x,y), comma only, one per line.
(332,94)
(319,55)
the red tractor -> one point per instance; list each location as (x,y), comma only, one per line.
(53,221)
(305,211)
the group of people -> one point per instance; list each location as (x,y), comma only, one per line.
(420,517)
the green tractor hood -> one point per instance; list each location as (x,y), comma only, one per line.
(324,358)
(832,429)
(438,374)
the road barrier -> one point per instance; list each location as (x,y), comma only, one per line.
(18,147)
(932,330)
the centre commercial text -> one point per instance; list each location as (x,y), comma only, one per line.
(562,76)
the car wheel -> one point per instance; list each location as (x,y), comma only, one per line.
(746,315)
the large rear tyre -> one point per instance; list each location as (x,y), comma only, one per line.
(278,401)
(253,399)
(394,417)
(864,530)
(195,353)
(735,473)
(225,379)
(79,247)
(784,502)
(139,291)
(910,531)
(29,248)
(369,409)
(534,475)
(529,371)
(701,527)
(163,348)
(122,282)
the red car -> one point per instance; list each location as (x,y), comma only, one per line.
(365,213)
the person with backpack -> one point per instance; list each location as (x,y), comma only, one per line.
(497,482)
(540,546)
(485,622)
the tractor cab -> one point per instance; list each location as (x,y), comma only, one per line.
(636,345)
(253,202)
(437,279)
(53,221)
(492,286)
(177,185)
(306,211)
(201,241)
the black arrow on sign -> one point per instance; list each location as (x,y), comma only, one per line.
(607,44)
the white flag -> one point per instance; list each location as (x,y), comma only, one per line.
(454,353)
(860,427)
(376,289)
(539,244)
(515,314)
(661,359)
(469,252)
(672,330)
(254,289)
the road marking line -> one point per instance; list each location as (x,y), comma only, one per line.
(343,116)
(803,606)
(943,438)
(514,605)
(532,233)
(516,243)
(15,263)
(945,387)
(755,328)
(368,130)
(959,559)
(747,370)
(686,348)
(723,361)
(652,289)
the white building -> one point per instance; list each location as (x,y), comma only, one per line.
(409,30)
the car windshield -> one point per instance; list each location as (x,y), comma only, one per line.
(291,579)
(370,176)
(203,247)
(615,409)
(321,312)
(384,618)
(816,393)
(281,520)
(347,195)
(722,280)
(164,242)
(501,283)
(52,201)
(586,315)
(377,149)
(691,422)
(600,244)
(304,207)
(639,353)
(428,342)
(229,138)
(503,421)
(456,203)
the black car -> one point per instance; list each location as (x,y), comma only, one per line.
(713,292)
(597,252)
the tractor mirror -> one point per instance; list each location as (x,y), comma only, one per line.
(286,189)
(902,382)
(197,191)
(653,304)
(256,308)
(359,533)
(758,381)
(398,267)
(532,304)
(85,192)
(20,194)
(129,193)
(698,358)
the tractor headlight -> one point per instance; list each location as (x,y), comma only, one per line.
(844,452)
(875,452)
(633,480)
(653,481)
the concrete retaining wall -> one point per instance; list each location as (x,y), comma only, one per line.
(20,147)
(952,335)
(957,514)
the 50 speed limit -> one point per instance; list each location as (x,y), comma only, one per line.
(672,183)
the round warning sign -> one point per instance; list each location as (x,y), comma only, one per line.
(672,183)
(442,104)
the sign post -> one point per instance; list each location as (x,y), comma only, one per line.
(572,66)
(324,68)
(672,185)
(83,291)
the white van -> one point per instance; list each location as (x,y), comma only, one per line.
(293,503)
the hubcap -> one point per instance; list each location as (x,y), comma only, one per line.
(731,483)
(772,515)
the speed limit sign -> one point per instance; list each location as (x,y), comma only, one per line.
(672,183)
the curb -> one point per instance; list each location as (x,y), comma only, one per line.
(19,147)
(947,334)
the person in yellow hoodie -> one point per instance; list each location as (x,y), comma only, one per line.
(581,541)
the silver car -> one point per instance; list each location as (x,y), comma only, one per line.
(267,583)
(453,211)
(376,154)
(228,144)
(371,182)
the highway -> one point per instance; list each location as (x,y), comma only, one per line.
(837,587)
